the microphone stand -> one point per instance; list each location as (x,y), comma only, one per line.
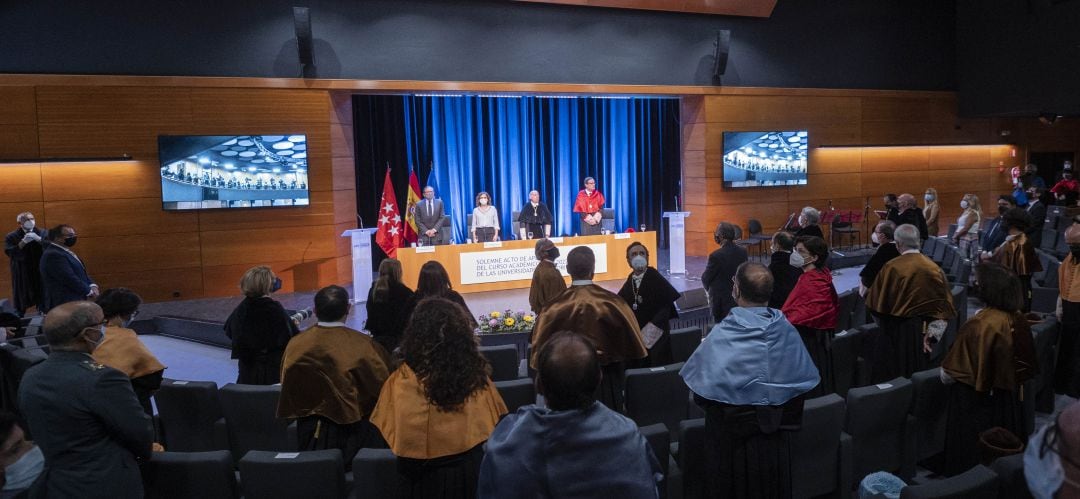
(866,220)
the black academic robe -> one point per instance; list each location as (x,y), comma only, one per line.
(25,270)
(386,318)
(717,278)
(810,230)
(884,253)
(784,278)
(653,302)
(260,329)
(533,219)
(911,216)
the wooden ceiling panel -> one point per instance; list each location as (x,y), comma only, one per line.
(748,8)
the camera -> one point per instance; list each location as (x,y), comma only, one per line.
(301,315)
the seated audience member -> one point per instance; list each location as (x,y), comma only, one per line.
(785,274)
(386,303)
(995,231)
(21,460)
(652,298)
(83,415)
(931,211)
(720,269)
(750,375)
(908,212)
(912,301)
(542,452)
(439,407)
(63,276)
(1052,457)
(434,282)
(547,281)
(259,328)
(886,251)
(813,308)
(993,356)
(808,223)
(330,380)
(599,315)
(1017,253)
(1067,370)
(122,350)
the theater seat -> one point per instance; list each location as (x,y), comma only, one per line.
(318,474)
(1046,335)
(929,406)
(821,451)
(608,222)
(517,393)
(882,431)
(504,361)
(657,435)
(850,366)
(374,474)
(656,395)
(189,411)
(1044,293)
(1011,481)
(979,482)
(684,341)
(251,419)
(692,458)
(181,475)
(846,309)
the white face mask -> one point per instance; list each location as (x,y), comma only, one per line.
(483,202)
(99,341)
(28,225)
(22,473)
(796,260)
(874,237)
(964,205)
(928,198)
(1042,470)
(639,262)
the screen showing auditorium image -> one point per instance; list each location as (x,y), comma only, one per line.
(233,171)
(765,159)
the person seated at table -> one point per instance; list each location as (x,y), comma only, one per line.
(485,220)
(434,282)
(535,218)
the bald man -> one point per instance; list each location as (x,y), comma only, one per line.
(908,212)
(84,416)
(541,452)
(1067,374)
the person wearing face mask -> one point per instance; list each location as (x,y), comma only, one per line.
(652,298)
(84,416)
(1067,187)
(1036,209)
(1017,253)
(908,212)
(21,460)
(122,349)
(886,251)
(547,281)
(931,211)
(63,275)
(1067,372)
(967,226)
(589,205)
(23,246)
(259,328)
(813,307)
(995,231)
(720,269)
(992,357)
(785,275)
(1031,173)
(808,223)
(1052,457)
(485,220)
(911,300)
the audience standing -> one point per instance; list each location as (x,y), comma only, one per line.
(932,211)
(440,406)
(908,212)
(886,251)
(967,226)
(995,231)
(1067,374)
(576,446)
(652,298)
(992,357)
(599,315)
(386,304)
(813,307)
(1067,188)
(434,282)
(784,273)
(720,269)
(260,328)
(911,301)
(63,275)
(750,375)
(892,206)
(1017,253)
(547,281)
(330,380)
(23,246)
(83,415)
(122,350)
(809,219)
(1036,209)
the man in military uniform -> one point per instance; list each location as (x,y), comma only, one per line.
(84,416)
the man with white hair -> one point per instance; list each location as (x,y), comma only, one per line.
(24,247)
(912,302)
(908,212)
(535,218)
(808,223)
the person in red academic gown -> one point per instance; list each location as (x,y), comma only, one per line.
(589,205)
(812,307)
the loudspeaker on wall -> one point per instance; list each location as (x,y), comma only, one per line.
(720,54)
(304,46)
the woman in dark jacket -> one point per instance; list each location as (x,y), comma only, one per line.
(434,282)
(386,304)
(259,328)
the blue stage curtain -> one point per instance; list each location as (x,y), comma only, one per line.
(508,146)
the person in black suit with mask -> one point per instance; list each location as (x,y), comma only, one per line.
(720,270)
(63,275)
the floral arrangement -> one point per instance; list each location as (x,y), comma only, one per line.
(506,322)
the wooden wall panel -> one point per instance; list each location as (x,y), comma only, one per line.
(101,180)
(252,246)
(20,105)
(224,280)
(159,285)
(21,182)
(259,107)
(121,217)
(900,159)
(18,141)
(138,253)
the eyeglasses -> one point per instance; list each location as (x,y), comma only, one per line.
(1052,441)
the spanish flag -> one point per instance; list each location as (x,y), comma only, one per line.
(411,198)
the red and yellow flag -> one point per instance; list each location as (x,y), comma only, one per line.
(411,199)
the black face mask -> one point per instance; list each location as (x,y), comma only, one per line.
(276,285)
(70,241)
(553,254)
(1002,210)
(1075,250)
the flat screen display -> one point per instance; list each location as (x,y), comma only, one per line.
(233,171)
(765,159)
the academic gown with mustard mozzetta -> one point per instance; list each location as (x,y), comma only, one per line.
(123,351)
(547,284)
(1018,255)
(653,301)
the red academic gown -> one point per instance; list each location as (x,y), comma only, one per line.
(812,307)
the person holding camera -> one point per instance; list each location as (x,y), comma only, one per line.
(259,328)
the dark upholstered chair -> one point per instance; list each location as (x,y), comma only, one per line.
(317,474)
(504,361)
(189,412)
(180,475)
(881,429)
(821,451)
(517,393)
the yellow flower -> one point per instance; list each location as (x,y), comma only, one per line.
(529,318)
(496,315)
(509,321)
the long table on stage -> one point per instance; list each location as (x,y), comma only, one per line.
(509,264)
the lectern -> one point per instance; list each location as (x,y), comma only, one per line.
(676,241)
(361,262)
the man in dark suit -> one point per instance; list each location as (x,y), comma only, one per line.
(63,276)
(1037,209)
(84,416)
(429,216)
(995,231)
(720,270)
(784,274)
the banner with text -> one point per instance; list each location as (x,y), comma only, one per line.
(517,264)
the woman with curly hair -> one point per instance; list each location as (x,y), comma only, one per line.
(439,407)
